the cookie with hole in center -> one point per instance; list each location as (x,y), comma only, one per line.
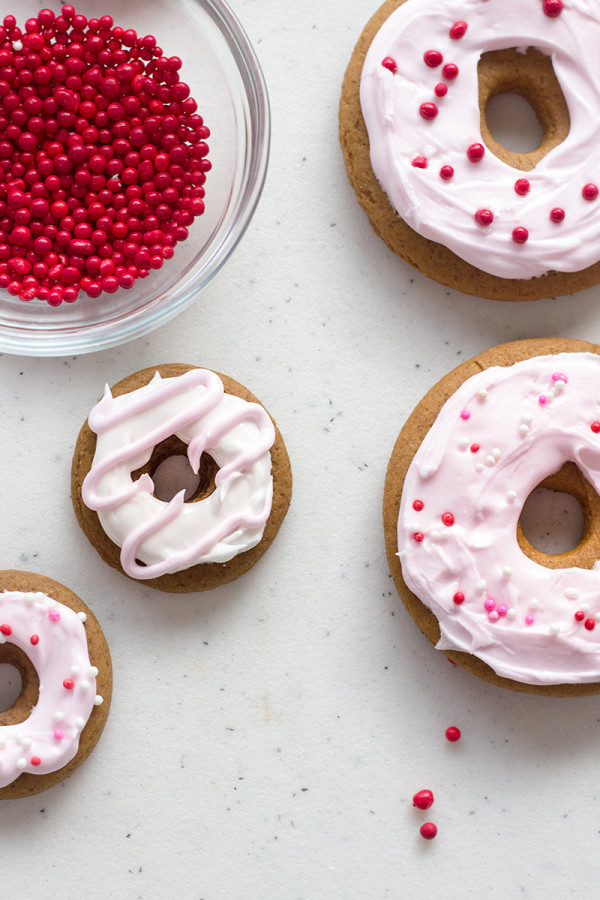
(180,478)
(436,186)
(55,643)
(517,417)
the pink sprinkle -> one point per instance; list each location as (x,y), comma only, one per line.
(542,399)
(489,603)
(465,414)
(558,376)
(493,616)
(59,734)
(54,615)
(529,620)
(502,609)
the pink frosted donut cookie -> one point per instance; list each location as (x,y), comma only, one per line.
(435,184)
(195,540)
(50,636)
(465,463)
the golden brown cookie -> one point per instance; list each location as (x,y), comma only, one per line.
(575,617)
(52,639)
(191,577)
(528,74)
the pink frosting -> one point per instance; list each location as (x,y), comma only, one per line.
(461,502)
(53,637)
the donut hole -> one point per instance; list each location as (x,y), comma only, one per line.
(19,685)
(557,527)
(170,470)
(524,114)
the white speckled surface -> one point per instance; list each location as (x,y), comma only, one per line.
(266,739)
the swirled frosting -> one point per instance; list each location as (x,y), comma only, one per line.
(419,141)
(494,441)
(53,636)
(158,537)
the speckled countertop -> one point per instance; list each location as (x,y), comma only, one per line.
(266,738)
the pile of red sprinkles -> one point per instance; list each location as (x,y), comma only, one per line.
(103,156)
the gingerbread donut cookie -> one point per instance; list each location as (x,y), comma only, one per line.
(50,636)
(435,185)
(192,540)
(519,416)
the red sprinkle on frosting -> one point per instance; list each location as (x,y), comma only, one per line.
(522,186)
(34,639)
(418,536)
(428,110)
(36,761)
(595,426)
(459,598)
(579,615)
(448,519)
(484,217)
(553,8)
(589,191)
(475,152)
(389,63)
(458,30)
(418,505)
(450,71)
(474,448)
(441,89)
(520,235)
(433,58)
(590,624)
(6,629)
(419,162)
(557,214)
(446,172)
(68,684)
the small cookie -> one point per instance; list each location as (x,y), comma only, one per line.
(436,186)
(190,541)
(50,636)
(516,417)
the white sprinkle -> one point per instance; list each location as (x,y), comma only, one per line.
(534,604)
(79,723)
(527,418)
(21,763)
(490,461)
(479,467)
(30,599)
(434,535)
(82,616)
(74,670)
(26,742)
(444,535)
(571,593)
(506,572)
(496,453)
(524,429)
(511,495)
(584,607)
(98,700)
(92,671)
(463,443)
(58,716)
(2,639)
(482,394)
(17,45)
(84,685)
(512,613)
(597,616)
(415,528)
(481,585)
(554,628)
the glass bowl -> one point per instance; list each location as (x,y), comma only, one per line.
(225,78)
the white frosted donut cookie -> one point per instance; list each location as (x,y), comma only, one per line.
(457,502)
(50,636)
(159,538)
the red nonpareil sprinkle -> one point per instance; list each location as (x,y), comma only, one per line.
(459,598)
(446,172)
(458,30)
(34,639)
(453,734)
(590,624)
(475,152)
(579,615)
(36,761)
(522,186)
(423,799)
(428,831)
(450,71)
(419,162)
(448,519)
(102,156)
(433,58)
(418,536)
(484,217)
(557,214)
(441,89)
(390,64)
(474,448)
(553,8)
(5,630)
(589,191)
(595,426)
(520,235)
(68,684)
(428,110)
(418,505)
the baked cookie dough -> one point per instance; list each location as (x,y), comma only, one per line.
(55,643)
(519,416)
(244,482)
(454,203)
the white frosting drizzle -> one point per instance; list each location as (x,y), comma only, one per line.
(444,210)
(170,537)
(53,637)
(517,616)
